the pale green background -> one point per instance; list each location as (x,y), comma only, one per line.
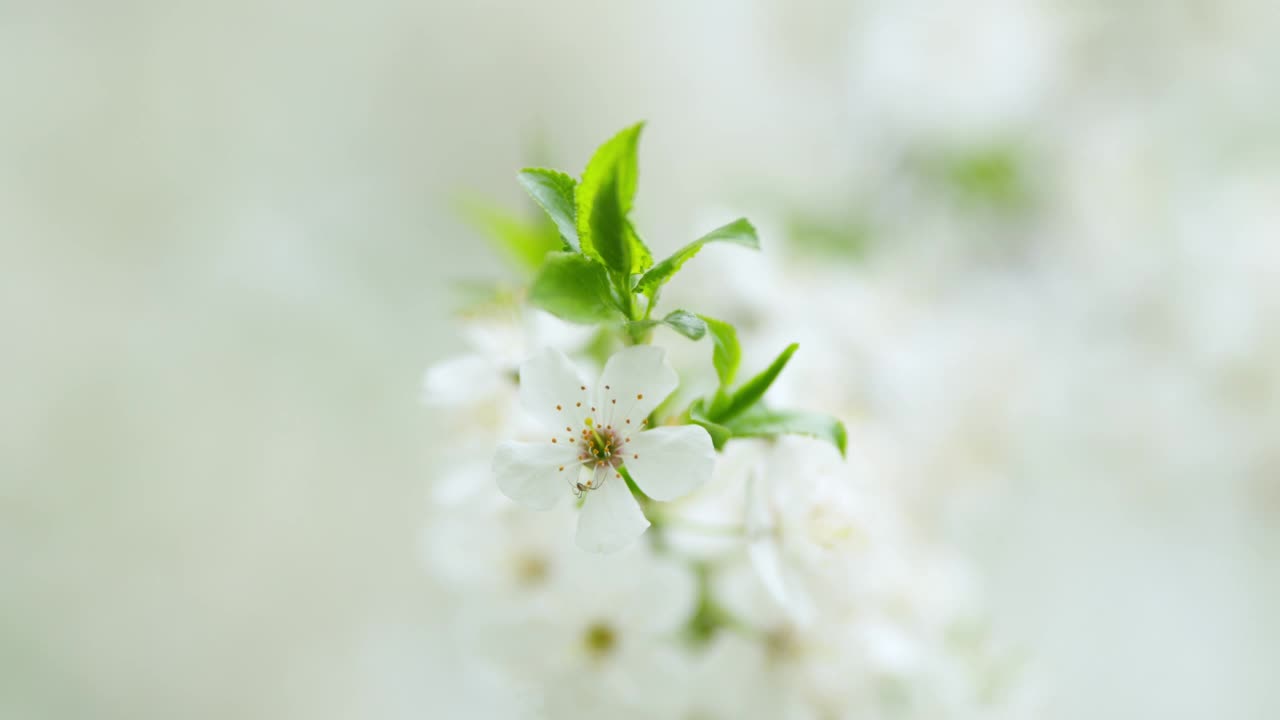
(226,243)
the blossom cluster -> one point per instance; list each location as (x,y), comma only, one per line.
(622,530)
(790,583)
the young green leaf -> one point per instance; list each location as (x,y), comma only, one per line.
(686,323)
(727,354)
(739,232)
(719,433)
(718,402)
(554,192)
(602,201)
(573,287)
(751,391)
(682,321)
(525,242)
(641,258)
(761,422)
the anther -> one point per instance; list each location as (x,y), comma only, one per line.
(606,387)
(617,474)
(584,387)
(559,408)
(614,401)
(553,440)
(568,429)
(561,468)
(593,409)
(628,421)
(639,396)
(633,457)
(579,404)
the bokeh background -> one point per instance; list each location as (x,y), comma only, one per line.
(230,243)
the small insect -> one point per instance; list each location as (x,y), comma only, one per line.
(580,488)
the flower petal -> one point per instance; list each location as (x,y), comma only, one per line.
(530,473)
(766,556)
(610,518)
(670,462)
(460,380)
(634,381)
(762,547)
(552,390)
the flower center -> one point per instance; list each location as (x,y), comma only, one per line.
(531,568)
(600,447)
(599,640)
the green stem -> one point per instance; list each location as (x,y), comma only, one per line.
(623,285)
(633,335)
(653,302)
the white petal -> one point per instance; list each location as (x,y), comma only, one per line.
(610,518)
(765,555)
(544,329)
(553,392)
(498,340)
(460,380)
(762,549)
(670,462)
(530,473)
(634,381)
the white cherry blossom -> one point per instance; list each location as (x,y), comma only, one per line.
(594,435)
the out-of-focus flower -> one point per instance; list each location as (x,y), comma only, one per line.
(595,638)
(601,439)
(482,380)
(800,518)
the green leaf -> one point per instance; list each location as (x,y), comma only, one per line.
(761,422)
(573,287)
(751,392)
(727,353)
(641,258)
(719,433)
(526,243)
(739,232)
(604,198)
(993,176)
(554,192)
(686,323)
(847,236)
(719,401)
(682,321)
